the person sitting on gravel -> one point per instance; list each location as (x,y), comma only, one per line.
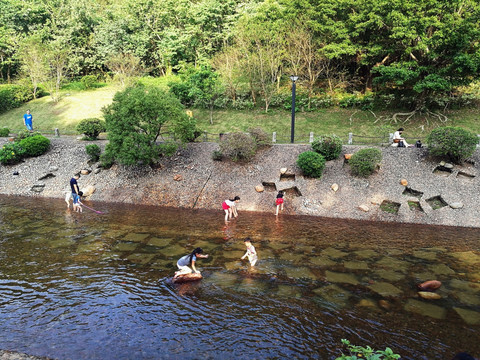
(398,140)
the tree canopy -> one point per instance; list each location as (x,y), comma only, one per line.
(414,48)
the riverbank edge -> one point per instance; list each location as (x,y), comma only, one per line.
(192,179)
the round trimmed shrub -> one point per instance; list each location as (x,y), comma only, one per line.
(35,145)
(91,128)
(93,151)
(330,146)
(4,132)
(238,146)
(455,143)
(11,154)
(311,163)
(364,162)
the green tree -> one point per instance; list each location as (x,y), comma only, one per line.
(33,54)
(135,121)
(205,88)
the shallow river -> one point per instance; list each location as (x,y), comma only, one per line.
(97,286)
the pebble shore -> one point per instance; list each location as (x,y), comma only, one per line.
(436,193)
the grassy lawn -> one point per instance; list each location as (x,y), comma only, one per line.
(65,114)
(76,105)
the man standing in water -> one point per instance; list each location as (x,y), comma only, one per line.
(28,120)
(75,190)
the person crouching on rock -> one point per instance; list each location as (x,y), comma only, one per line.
(229,206)
(186,261)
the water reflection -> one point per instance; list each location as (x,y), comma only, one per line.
(91,286)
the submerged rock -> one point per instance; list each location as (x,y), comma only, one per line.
(341,278)
(429,295)
(385,289)
(469,316)
(425,309)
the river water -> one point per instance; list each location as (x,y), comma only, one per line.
(97,286)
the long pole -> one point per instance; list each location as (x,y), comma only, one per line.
(292,137)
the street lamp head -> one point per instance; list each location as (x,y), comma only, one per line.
(293,78)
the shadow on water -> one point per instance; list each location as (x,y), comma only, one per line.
(90,286)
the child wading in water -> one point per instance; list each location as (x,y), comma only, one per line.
(229,206)
(189,260)
(279,201)
(251,252)
(77,204)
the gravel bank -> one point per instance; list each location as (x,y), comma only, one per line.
(192,179)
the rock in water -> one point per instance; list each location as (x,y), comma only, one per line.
(187,277)
(429,295)
(429,285)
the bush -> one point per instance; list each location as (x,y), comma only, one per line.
(260,137)
(93,151)
(11,154)
(217,155)
(23,134)
(106,159)
(88,81)
(167,148)
(330,146)
(311,163)
(91,128)
(12,96)
(365,162)
(455,143)
(35,145)
(4,132)
(238,146)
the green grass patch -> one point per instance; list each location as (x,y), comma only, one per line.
(77,104)
(73,107)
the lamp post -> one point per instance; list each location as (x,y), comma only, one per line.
(294,79)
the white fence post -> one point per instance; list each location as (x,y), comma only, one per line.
(350,138)
(311,137)
(274,137)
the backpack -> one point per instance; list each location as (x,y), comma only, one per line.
(418,144)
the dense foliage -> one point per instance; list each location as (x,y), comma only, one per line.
(242,51)
(135,121)
(311,163)
(238,146)
(11,154)
(365,162)
(12,96)
(93,152)
(34,145)
(455,143)
(4,132)
(91,128)
(330,146)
